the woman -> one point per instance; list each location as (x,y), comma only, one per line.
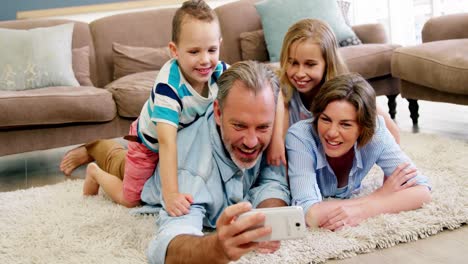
(330,154)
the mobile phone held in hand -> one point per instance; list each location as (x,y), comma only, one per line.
(286,222)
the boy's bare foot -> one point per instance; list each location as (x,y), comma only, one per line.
(90,186)
(73,159)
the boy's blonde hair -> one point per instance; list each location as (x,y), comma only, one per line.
(320,33)
(354,89)
(195,9)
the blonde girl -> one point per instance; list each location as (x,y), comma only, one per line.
(309,57)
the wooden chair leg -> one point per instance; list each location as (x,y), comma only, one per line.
(392,105)
(414,108)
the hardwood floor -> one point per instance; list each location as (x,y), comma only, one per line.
(21,171)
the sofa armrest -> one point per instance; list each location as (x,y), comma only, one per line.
(371,33)
(446,27)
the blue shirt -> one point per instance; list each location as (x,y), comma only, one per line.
(311,177)
(215,182)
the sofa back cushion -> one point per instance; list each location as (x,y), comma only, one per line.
(151,28)
(235,18)
(129,59)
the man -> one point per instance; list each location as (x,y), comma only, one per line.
(221,165)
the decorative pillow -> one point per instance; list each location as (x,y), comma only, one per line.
(130,59)
(344,7)
(80,64)
(253,46)
(36,58)
(278,15)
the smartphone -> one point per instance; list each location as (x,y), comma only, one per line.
(286,222)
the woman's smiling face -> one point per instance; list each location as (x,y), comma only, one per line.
(338,128)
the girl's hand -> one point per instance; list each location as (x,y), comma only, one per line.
(276,153)
(177,204)
(399,180)
(346,215)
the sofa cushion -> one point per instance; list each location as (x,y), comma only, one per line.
(369,60)
(131,92)
(80,65)
(130,59)
(36,58)
(278,15)
(441,65)
(55,105)
(253,46)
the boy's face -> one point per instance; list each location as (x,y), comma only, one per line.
(197,51)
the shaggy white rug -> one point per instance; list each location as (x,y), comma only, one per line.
(56,224)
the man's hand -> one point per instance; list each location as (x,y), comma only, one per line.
(233,236)
(177,204)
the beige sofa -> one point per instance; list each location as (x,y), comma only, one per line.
(57,116)
(437,69)
(74,115)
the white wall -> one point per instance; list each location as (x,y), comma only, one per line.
(93,16)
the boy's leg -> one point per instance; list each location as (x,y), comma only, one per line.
(109,156)
(111,185)
(73,159)
(140,163)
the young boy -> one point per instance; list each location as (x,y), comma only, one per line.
(183,90)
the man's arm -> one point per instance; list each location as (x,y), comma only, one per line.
(232,240)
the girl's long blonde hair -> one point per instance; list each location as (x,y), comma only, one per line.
(319,32)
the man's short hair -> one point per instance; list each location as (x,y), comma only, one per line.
(195,9)
(254,75)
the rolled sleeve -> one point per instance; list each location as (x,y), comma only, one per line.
(270,184)
(392,156)
(170,227)
(302,160)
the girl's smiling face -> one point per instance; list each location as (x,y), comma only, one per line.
(305,66)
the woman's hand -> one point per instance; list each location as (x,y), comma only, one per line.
(345,215)
(400,179)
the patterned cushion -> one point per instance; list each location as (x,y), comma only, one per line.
(36,58)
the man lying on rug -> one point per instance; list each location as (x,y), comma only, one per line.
(329,155)
(220,165)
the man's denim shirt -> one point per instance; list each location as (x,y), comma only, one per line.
(207,173)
